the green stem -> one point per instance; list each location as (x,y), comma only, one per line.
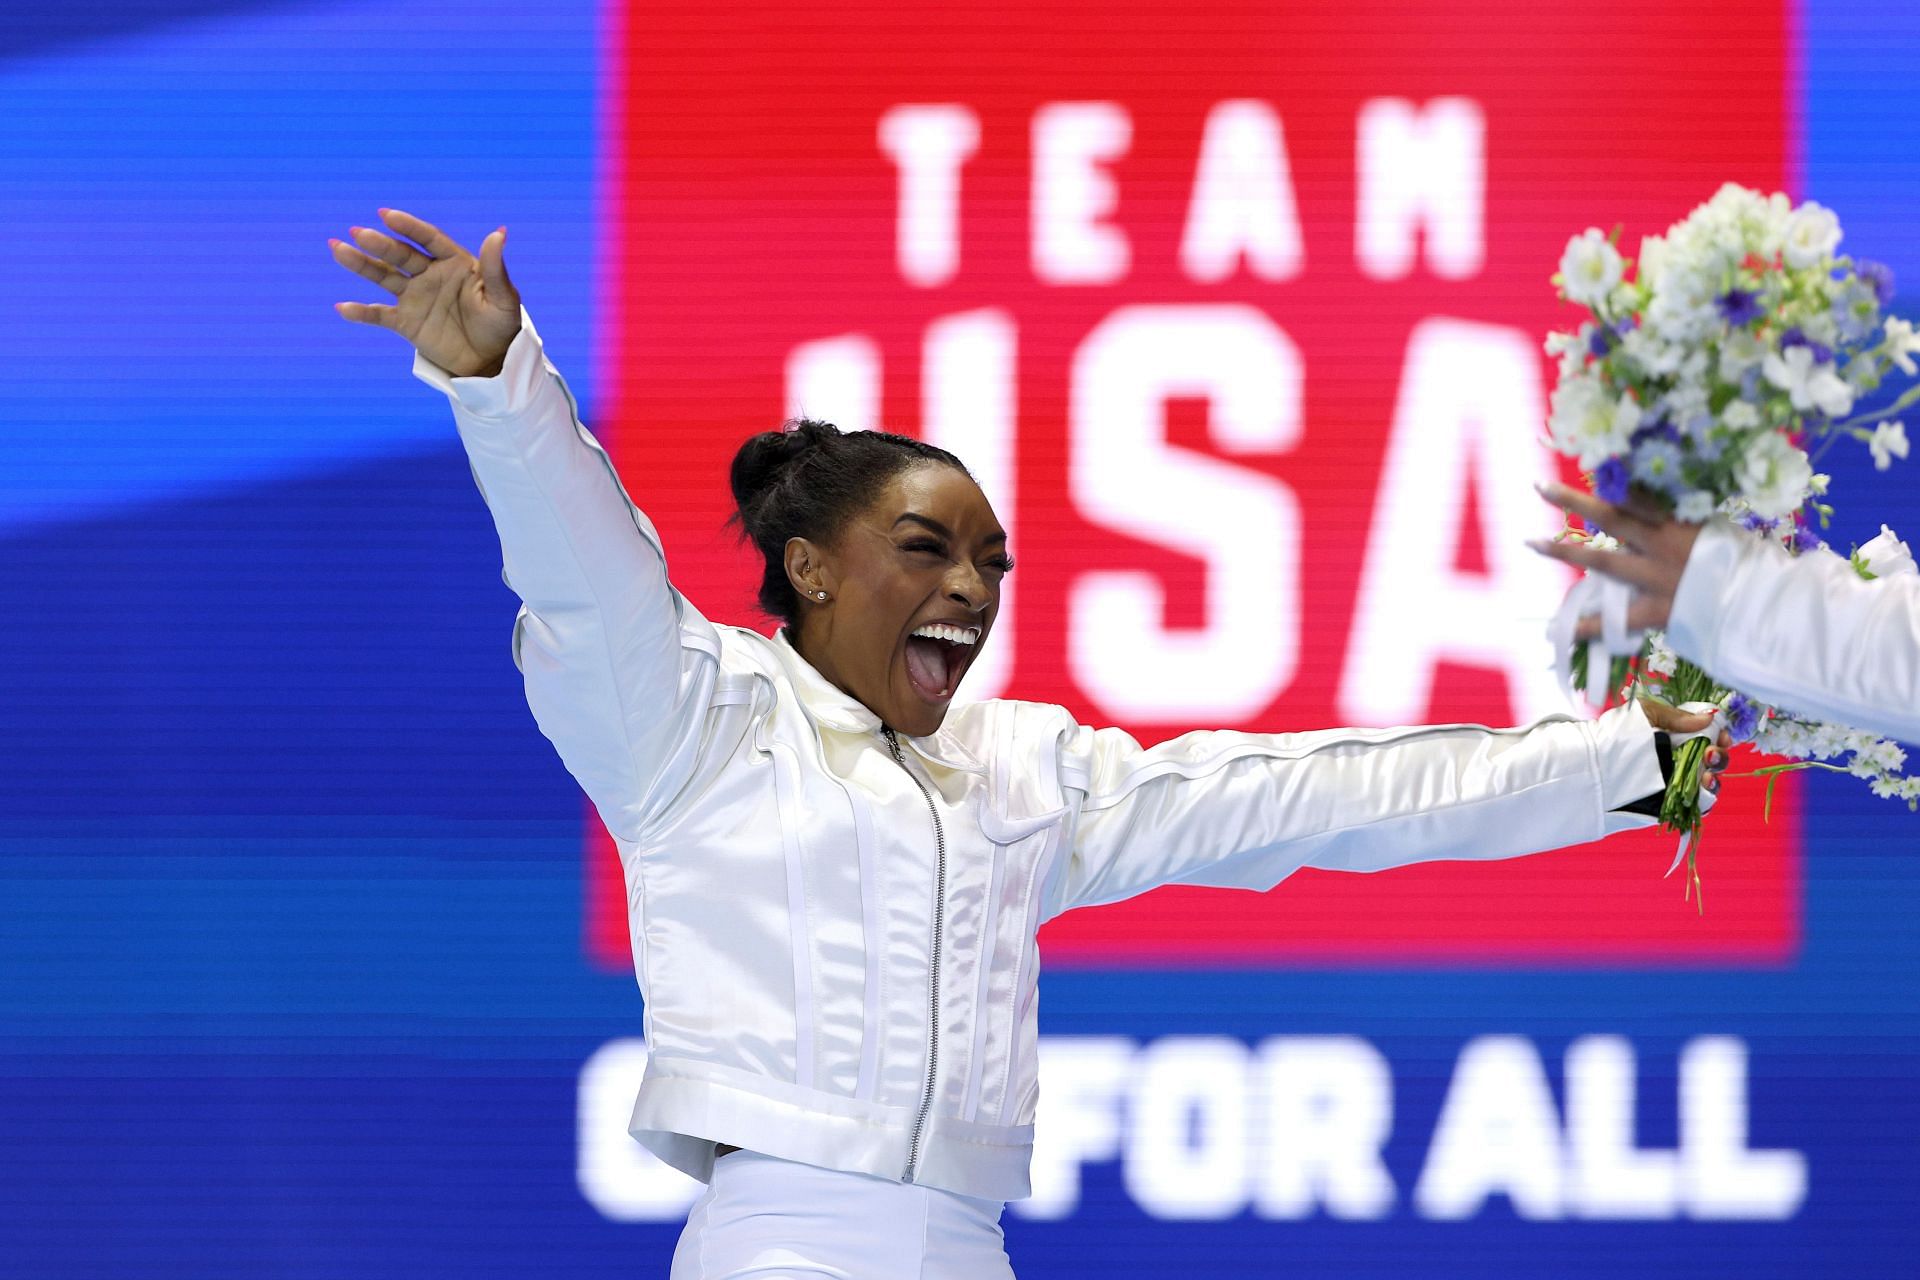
(1860,420)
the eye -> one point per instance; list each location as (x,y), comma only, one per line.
(924,544)
(1001,564)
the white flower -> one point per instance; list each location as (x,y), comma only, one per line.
(1813,233)
(1822,328)
(1590,268)
(1740,352)
(1889,442)
(1774,475)
(1886,555)
(1877,755)
(1653,262)
(1661,660)
(1740,415)
(1688,399)
(1694,507)
(1590,424)
(1683,311)
(1808,384)
(1902,343)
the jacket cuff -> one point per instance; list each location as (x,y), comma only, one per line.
(1628,763)
(508,392)
(1649,805)
(1693,624)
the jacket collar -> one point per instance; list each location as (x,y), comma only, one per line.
(830,708)
(825,704)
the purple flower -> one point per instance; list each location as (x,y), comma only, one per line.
(1739,306)
(1758,523)
(1743,717)
(1610,480)
(1822,353)
(1601,342)
(1805,539)
(1660,428)
(1880,276)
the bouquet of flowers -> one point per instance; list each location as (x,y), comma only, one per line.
(1711,377)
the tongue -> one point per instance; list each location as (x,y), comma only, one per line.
(927,665)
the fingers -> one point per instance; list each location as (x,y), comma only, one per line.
(376,314)
(1630,569)
(493,264)
(367,267)
(436,242)
(1627,523)
(395,253)
(1716,761)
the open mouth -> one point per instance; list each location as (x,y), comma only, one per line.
(937,656)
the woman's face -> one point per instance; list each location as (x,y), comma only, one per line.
(927,554)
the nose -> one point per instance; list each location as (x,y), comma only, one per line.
(968,589)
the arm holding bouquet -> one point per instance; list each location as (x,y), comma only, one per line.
(1825,635)
(1245,810)
(1702,387)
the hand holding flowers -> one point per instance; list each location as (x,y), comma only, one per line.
(1702,377)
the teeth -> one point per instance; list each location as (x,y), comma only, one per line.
(950,633)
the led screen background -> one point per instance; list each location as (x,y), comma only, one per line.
(297,906)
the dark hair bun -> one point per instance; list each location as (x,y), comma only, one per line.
(765,458)
(806,481)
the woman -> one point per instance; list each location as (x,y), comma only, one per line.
(834,878)
(1806,632)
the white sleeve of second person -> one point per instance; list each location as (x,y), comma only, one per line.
(1245,810)
(609,650)
(1803,633)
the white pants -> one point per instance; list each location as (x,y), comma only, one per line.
(767,1219)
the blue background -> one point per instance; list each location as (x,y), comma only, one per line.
(290,901)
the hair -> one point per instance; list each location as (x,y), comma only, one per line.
(806,480)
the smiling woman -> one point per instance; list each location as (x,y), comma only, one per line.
(882,556)
(835,873)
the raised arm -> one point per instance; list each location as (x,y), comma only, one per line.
(1246,810)
(615,660)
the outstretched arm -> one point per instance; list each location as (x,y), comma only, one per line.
(1246,810)
(614,658)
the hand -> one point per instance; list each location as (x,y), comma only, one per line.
(1653,554)
(1671,719)
(459,311)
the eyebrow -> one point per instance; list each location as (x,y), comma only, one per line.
(939,528)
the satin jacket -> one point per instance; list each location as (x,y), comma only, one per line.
(833,928)
(1802,632)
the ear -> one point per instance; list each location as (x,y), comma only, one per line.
(808,570)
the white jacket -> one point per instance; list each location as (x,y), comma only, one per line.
(834,930)
(1802,632)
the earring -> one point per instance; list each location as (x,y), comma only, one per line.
(821,594)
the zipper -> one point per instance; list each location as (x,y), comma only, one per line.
(933,987)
